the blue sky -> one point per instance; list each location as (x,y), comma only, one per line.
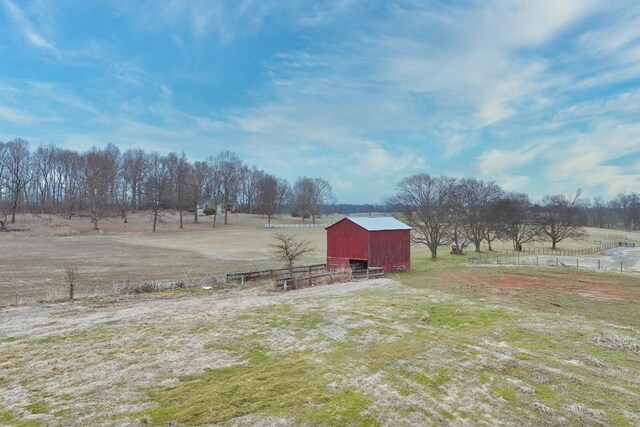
(540,96)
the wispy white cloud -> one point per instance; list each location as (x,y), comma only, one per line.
(363,93)
(12,115)
(26,27)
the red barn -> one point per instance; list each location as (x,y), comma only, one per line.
(369,242)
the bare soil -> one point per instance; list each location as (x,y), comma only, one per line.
(603,288)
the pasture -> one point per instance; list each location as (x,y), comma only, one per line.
(445,343)
(33,262)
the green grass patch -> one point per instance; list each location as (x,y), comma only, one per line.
(39,407)
(263,384)
(8,418)
(342,409)
(548,395)
(105,331)
(436,378)
(505,391)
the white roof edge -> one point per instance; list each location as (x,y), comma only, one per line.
(379,223)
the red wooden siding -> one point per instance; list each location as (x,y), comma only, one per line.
(347,240)
(390,248)
(384,248)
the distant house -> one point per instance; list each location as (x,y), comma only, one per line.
(369,242)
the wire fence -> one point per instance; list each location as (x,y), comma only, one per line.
(579,258)
(597,264)
(487,257)
(296,225)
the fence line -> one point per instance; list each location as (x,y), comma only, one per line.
(597,264)
(262,274)
(560,258)
(296,225)
(504,253)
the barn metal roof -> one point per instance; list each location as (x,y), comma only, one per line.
(379,224)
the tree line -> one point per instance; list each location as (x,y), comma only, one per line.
(105,182)
(467,212)
(442,210)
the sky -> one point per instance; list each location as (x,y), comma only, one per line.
(540,96)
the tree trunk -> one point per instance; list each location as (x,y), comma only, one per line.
(553,245)
(434,254)
(477,246)
(181,226)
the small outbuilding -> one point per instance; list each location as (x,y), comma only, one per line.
(369,242)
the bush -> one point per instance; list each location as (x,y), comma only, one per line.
(209,210)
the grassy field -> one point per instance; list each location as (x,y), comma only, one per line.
(33,262)
(443,344)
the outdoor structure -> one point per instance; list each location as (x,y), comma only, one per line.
(369,242)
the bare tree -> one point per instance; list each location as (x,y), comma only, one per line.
(559,219)
(310,196)
(475,198)
(100,172)
(249,181)
(3,167)
(178,170)
(134,169)
(3,219)
(290,249)
(43,164)
(71,274)
(598,212)
(157,187)
(17,172)
(227,170)
(629,207)
(199,176)
(71,182)
(518,223)
(426,204)
(271,196)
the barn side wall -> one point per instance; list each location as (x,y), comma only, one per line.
(347,240)
(389,249)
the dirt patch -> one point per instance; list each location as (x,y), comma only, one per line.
(506,279)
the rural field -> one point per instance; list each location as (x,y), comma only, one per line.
(446,343)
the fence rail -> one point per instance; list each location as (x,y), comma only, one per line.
(369,273)
(291,283)
(597,264)
(485,258)
(262,274)
(296,225)
(561,258)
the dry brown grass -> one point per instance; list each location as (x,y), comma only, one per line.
(32,264)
